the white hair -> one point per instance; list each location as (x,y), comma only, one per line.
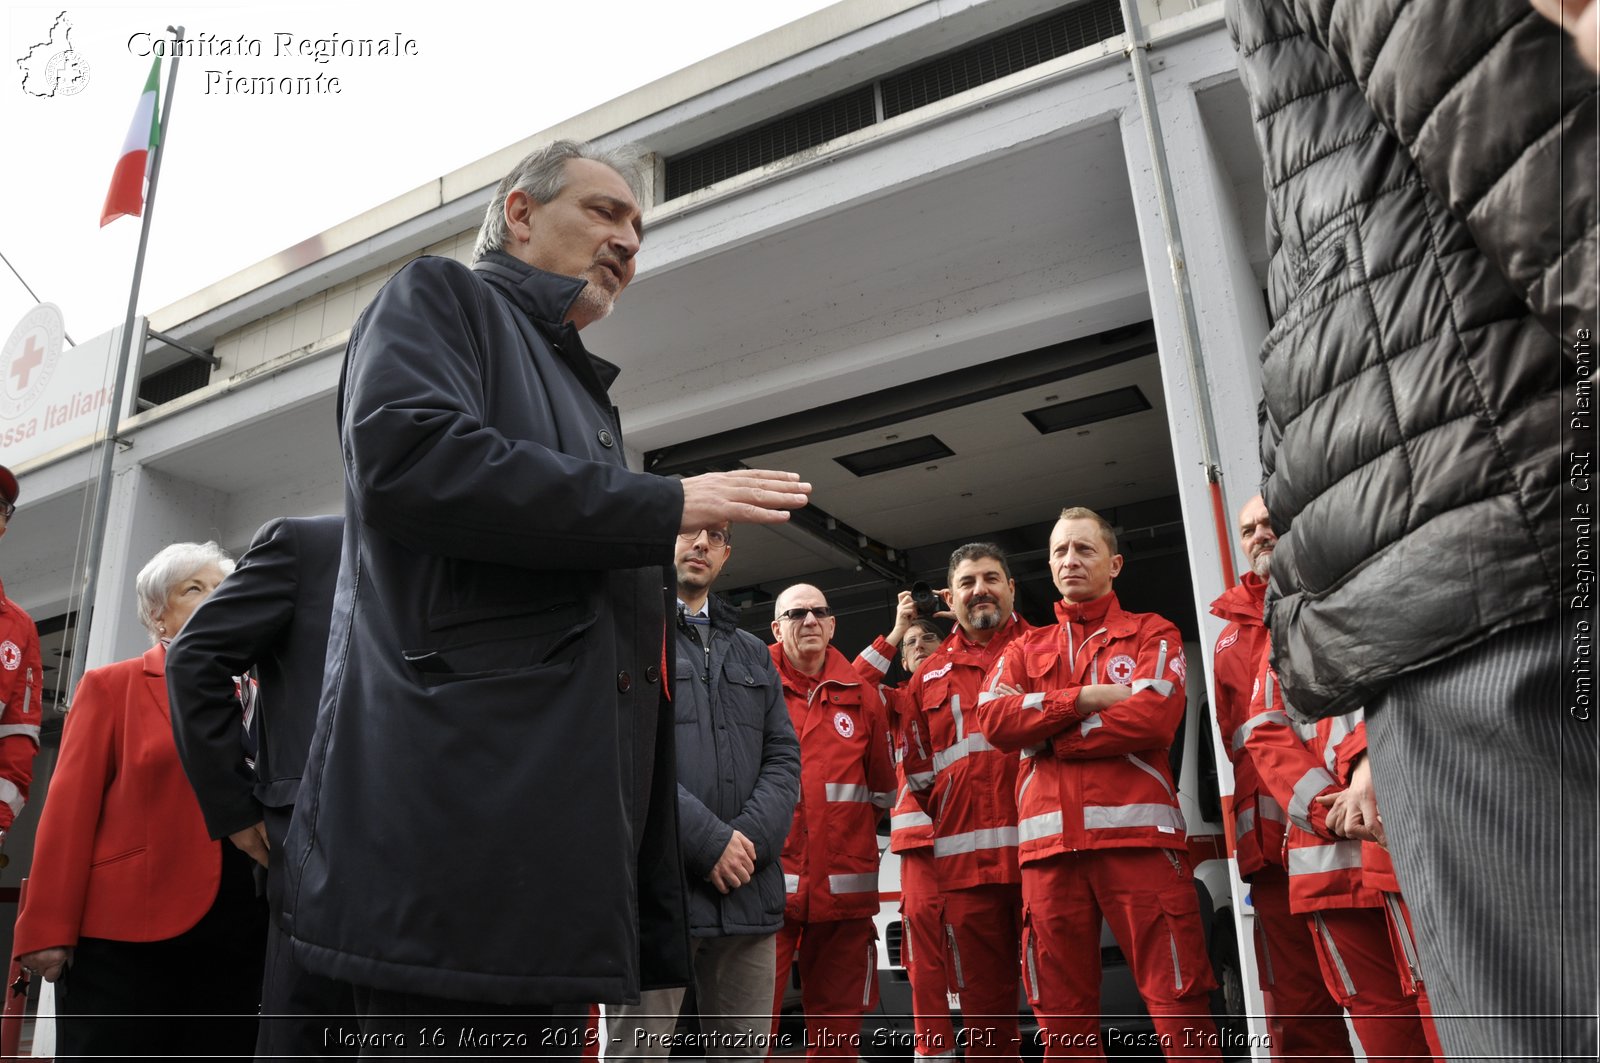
(542,174)
(166,570)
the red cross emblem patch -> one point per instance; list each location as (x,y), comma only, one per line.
(1120,669)
(10,655)
(844,724)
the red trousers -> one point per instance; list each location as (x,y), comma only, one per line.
(1304,1019)
(838,981)
(983,925)
(1148,898)
(1402,938)
(922,950)
(1359,969)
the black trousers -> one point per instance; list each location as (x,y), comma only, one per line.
(411,1026)
(193,995)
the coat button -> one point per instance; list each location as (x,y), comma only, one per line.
(651,674)
(605,438)
(624,682)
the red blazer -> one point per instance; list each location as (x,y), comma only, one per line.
(122,851)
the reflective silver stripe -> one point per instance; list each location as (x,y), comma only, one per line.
(1402,930)
(1090,722)
(1312,783)
(872,972)
(11,795)
(1161,661)
(883,798)
(1275,716)
(916,736)
(1029,752)
(919,780)
(863,883)
(1023,789)
(1034,701)
(1152,772)
(1163,686)
(1306,732)
(955,717)
(1320,859)
(907,820)
(791,883)
(1245,822)
(27,693)
(986,696)
(973,743)
(1033,970)
(844,791)
(1041,826)
(973,840)
(876,659)
(1270,809)
(955,956)
(1177,970)
(1111,817)
(29,729)
(906,958)
(1333,954)
(1339,728)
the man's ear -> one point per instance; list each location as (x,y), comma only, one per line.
(520,209)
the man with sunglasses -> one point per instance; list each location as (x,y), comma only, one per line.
(830,859)
(738,777)
(21,679)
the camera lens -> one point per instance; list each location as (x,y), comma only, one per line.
(927,602)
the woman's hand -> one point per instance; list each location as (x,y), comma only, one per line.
(48,964)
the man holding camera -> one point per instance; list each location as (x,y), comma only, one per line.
(969,787)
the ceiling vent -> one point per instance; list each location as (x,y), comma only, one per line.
(895,455)
(1079,412)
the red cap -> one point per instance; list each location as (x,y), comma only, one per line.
(8,485)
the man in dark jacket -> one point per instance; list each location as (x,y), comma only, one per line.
(1431,168)
(738,778)
(488,823)
(271,614)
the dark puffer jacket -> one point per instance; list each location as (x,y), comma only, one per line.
(1430,168)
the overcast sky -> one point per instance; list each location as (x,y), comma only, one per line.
(247,176)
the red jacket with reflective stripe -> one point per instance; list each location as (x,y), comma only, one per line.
(1377,867)
(909,826)
(1298,763)
(966,784)
(21,681)
(1095,780)
(1255,819)
(830,858)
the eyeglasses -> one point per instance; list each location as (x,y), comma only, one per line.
(821,612)
(7,510)
(714,536)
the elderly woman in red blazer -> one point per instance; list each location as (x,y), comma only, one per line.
(132,909)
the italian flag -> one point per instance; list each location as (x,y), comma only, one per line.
(126,195)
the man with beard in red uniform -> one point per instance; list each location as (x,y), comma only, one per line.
(830,858)
(1304,1019)
(21,684)
(969,787)
(1093,703)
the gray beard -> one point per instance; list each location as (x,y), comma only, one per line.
(985,621)
(1262,565)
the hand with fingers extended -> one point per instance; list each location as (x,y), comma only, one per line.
(743,496)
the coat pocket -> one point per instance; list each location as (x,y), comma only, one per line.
(501,645)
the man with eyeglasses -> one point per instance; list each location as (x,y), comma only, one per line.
(738,778)
(830,859)
(21,682)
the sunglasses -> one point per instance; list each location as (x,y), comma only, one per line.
(821,612)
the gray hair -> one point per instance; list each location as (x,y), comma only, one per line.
(172,566)
(542,174)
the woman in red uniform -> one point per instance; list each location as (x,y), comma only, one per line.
(151,930)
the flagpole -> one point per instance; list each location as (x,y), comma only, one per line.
(102,501)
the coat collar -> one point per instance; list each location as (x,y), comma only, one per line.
(155,675)
(1116,623)
(546,298)
(1242,603)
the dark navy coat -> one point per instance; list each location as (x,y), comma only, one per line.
(487,813)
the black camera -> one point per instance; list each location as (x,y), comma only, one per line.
(926,600)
